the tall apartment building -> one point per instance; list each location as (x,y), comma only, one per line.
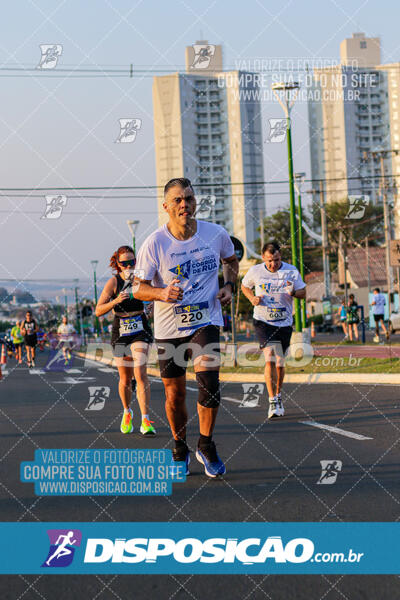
(208,130)
(354,110)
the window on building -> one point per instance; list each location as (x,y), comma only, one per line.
(363,44)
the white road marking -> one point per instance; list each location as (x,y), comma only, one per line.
(350,434)
(36,371)
(73,381)
(4,372)
(74,371)
(231,399)
(106,369)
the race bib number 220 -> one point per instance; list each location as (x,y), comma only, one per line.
(191,316)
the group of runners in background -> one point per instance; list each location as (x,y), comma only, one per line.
(349,317)
(30,335)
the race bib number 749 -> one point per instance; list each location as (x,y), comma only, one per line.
(130,325)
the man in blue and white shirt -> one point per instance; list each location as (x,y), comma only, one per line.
(378,310)
(275,284)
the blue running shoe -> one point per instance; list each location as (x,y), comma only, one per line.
(181,455)
(207,456)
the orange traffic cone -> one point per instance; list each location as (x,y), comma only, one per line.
(312,329)
(3,359)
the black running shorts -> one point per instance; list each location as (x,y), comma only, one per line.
(378,318)
(174,354)
(31,340)
(270,334)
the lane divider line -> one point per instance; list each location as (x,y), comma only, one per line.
(350,434)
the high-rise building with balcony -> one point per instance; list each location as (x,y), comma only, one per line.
(355,110)
(207,127)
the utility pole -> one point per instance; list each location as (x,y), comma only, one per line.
(381,155)
(368,269)
(261,231)
(325,245)
(343,257)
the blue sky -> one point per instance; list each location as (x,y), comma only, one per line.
(61,131)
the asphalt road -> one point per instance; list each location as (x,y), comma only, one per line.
(272,474)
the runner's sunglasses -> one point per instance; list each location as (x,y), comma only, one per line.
(128,263)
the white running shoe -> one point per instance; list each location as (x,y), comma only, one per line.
(273,410)
(281,410)
(376,339)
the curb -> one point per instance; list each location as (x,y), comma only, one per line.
(308,378)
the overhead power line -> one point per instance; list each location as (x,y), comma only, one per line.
(196,184)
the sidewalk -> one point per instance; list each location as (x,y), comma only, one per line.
(307,378)
(362,351)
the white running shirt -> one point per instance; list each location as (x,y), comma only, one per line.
(195,262)
(276,306)
(379,307)
(66,332)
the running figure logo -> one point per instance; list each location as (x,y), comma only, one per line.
(277,130)
(205,205)
(128,130)
(252,393)
(54,207)
(329,471)
(203,54)
(182,271)
(97,397)
(56,361)
(62,547)
(50,55)
(357,206)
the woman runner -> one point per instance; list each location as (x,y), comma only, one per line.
(130,338)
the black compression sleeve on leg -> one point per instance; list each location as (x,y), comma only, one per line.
(209,395)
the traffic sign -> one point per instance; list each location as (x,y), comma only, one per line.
(239,248)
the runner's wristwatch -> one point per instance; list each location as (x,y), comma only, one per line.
(233,286)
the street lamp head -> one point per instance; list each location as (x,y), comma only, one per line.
(94,264)
(130,222)
(299,175)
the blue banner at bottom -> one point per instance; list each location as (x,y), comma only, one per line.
(199,548)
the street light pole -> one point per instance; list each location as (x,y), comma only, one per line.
(299,179)
(65,301)
(290,91)
(78,320)
(133,225)
(94,264)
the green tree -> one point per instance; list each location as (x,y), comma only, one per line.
(277,227)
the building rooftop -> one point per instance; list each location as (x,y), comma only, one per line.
(357,266)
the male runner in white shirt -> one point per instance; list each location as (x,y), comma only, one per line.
(66,338)
(378,310)
(180,262)
(275,283)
